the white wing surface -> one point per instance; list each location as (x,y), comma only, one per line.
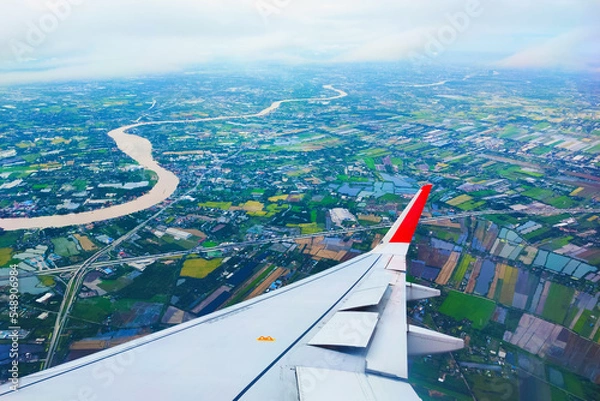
(339,335)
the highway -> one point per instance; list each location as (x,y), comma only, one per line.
(200,249)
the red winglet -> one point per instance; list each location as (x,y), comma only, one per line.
(410,217)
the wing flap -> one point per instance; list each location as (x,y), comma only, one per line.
(365,298)
(387,354)
(315,384)
(422,341)
(415,292)
(347,329)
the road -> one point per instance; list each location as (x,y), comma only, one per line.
(200,249)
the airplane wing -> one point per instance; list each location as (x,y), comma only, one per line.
(339,335)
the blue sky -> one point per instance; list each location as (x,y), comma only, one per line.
(45,40)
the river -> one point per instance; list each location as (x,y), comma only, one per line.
(140,150)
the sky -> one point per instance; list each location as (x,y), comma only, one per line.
(48,40)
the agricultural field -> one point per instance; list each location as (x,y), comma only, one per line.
(493,388)
(558,302)
(199,268)
(509,282)
(470,205)
(7,239)
(307,228)
(539,194)
(278,198)
(464,306)
(5,255)
(561,202)
(558,243)
(447,234)
(460,272)
(47,281)
(216,205)
(585,324)
(254,208)
(179,243)
(99,308)
(85,242)
(114,285)
(65,247)
(458,200)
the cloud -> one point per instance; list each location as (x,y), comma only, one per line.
(574,50)
(388,48)
(128,37)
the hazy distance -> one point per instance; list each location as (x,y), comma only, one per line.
(46,40)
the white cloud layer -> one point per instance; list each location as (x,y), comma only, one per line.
(65,39)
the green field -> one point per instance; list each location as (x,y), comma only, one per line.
(307,228)
(376,152)
(182,243)
(470,205)
(8,239)
(48,281)
(5,255)
(595,149)
(272,209)
(512,172)
(391,198)
(560,242)
(460,271)
(573,311)
(370,162)
(539,194)
(542,150)
(398,162)
(558,394)
(557,303)
(346,178)
(585,324)
(464,306)
(199,268)
(561,202)
(493,388)
(509,131)
(94,309)
(541,125)
(156,282)
(65,247)
(447,234)
(216,205)
(99,308)
(508,285)
(114,285)
(573,384)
